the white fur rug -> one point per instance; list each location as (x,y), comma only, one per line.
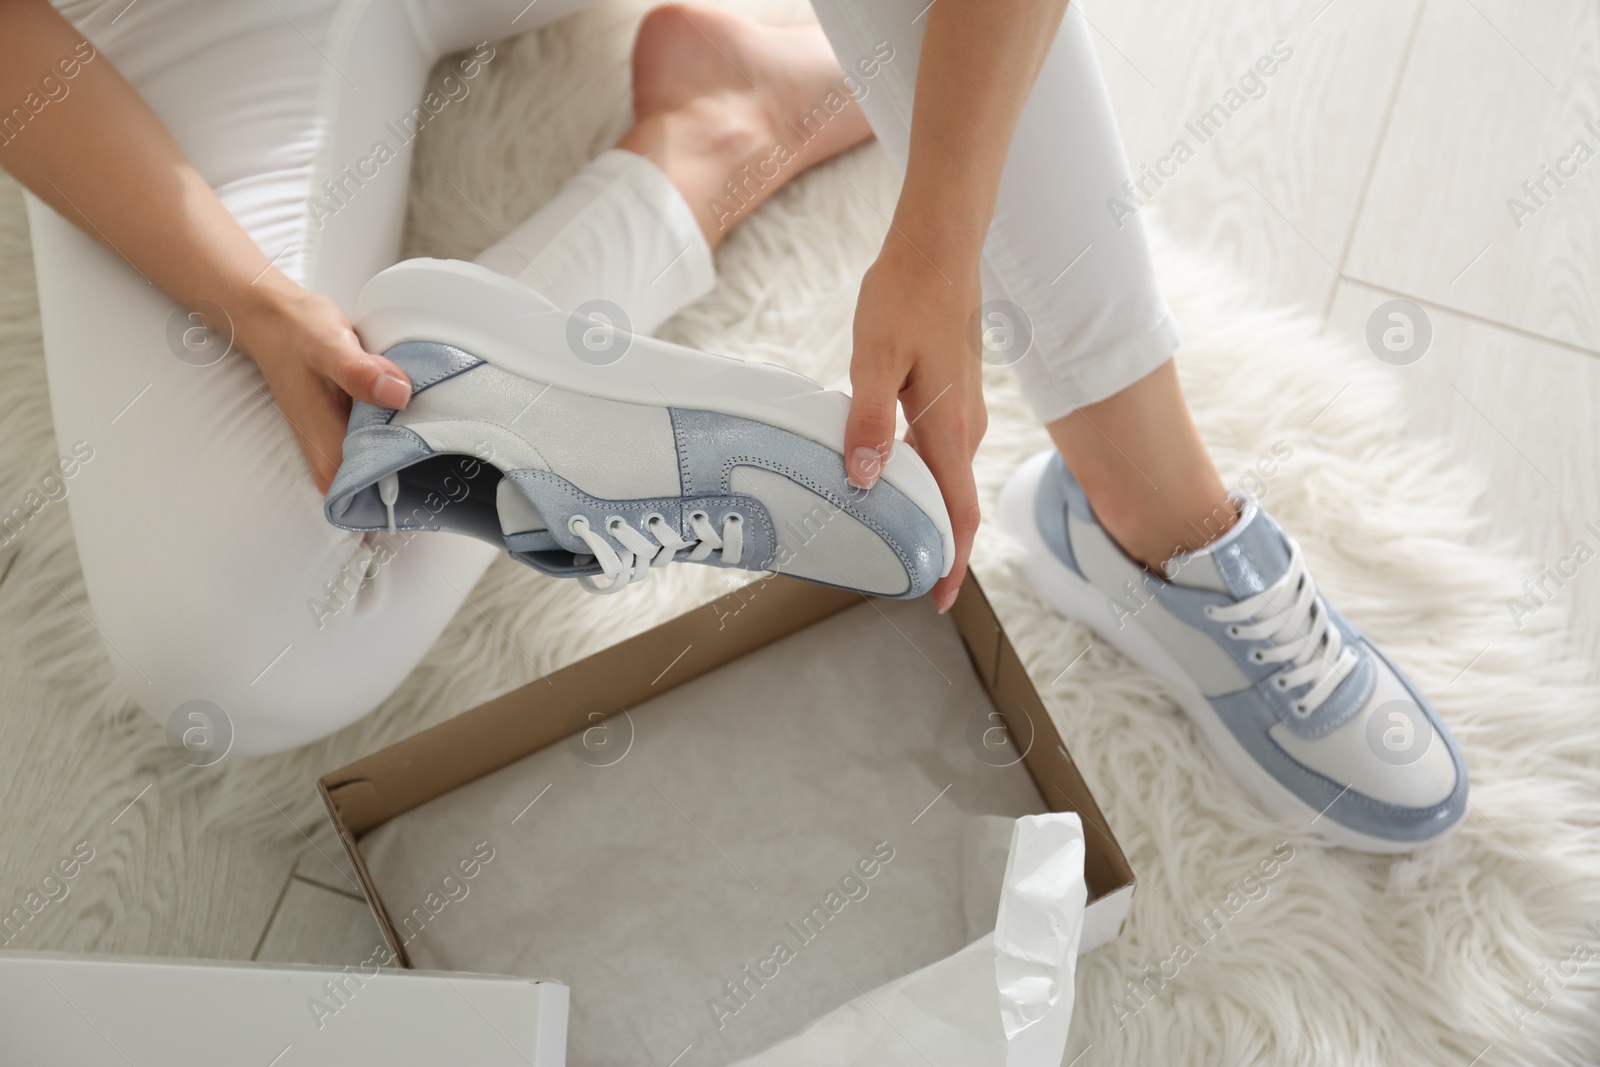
(1347,959)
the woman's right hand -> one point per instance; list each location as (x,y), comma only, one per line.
(314,363)
(108,164)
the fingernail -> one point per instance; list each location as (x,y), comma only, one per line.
(948,602)
(392,392)
(864,467)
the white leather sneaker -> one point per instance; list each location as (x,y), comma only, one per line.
(1303,710)
(592,453)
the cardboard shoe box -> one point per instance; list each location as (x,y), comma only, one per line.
(688,651)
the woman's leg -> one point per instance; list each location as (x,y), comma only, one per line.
(211,572)
(715,99)
(1098,371)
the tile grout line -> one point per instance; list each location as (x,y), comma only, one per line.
(1377,153)
(273,918)
(316,880)
(1481,320)
(332,889)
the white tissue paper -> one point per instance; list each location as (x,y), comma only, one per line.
(1036,937)
(1003,1001)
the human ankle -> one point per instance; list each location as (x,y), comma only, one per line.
(1152,534)
(700,148)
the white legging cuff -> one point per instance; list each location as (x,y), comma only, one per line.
(1056,386)
(618,230)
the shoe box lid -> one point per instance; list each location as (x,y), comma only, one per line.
(114,1011)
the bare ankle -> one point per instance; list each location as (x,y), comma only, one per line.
(1145,471)
(1151,531)
(721,104)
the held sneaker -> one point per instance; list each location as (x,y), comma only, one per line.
(1306,713)
(593,453)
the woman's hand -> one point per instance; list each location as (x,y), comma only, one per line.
(978,63)
(911,346)
(107,163)
(314,363)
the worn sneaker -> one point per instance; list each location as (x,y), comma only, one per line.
(1306,713)
(592,453)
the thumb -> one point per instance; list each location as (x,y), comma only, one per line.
(869,431)
(366,376)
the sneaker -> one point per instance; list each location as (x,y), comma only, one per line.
(1305,712)
(592,453)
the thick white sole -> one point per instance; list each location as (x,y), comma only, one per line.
(503,322)
(1077,599)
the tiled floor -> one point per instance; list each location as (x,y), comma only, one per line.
(1375,162)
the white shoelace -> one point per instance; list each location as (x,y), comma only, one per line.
(633,565)
(1298,625)
(389,492)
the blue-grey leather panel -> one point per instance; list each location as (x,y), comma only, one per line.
(428,363)
(711,445)
(1248,719)
(1050,507)
(1057,471)
(369,454)
(364,415)
(437,491)
(1253,559)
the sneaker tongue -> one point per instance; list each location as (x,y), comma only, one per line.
(1242,562)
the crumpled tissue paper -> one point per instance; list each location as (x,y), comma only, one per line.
(1003,1001)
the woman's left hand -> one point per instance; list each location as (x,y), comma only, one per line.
(911,347)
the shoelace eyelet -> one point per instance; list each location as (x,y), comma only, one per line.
(1301,709)
(1257,657)
(637,556)
(1282,685)
(1211,611)
(1233,631)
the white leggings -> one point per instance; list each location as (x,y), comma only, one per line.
(200,533)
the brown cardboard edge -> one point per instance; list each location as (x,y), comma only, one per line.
(419,768)
(410,772)
(380,913)
(1006,680)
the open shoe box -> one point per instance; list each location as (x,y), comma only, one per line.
(478,748)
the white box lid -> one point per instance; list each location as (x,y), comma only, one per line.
(113,1011)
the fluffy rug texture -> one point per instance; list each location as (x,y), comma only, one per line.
(1476,947)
